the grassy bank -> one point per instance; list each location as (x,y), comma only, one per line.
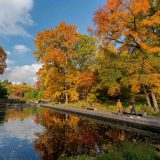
(112,107)
(127,152)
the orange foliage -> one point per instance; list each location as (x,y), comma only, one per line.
(56,44)
(56,50)
(130,23)
(86,79)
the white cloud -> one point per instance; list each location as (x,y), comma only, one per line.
(8,53)
(26,73)
(15,16)
(20,49)
(9,62)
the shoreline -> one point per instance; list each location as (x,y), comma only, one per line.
(149,125)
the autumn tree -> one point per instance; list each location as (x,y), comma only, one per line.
(120,72)
(19,89)
(133,26)
(56,51)
(142,75)
(3,65)
(3,57)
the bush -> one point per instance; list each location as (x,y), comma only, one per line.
(91,98)
(3,92)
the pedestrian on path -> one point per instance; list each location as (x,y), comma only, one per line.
(132,107)
(119,107)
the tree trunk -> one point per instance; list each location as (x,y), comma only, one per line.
(148,100)
(66,92)
(147,97)
(66,83)
(154,101)
(66,97)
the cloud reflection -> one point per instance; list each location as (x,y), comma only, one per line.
(23,130)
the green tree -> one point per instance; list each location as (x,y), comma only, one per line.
(3,92)
(85,64)
(86,50)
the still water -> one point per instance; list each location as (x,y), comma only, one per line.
(38,133)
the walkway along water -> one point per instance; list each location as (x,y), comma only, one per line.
(146,125)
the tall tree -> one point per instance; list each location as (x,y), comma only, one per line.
(134,25)
(86,51)
(85,64)
(56,50)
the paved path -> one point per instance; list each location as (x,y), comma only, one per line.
(148,124)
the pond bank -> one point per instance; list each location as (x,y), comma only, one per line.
(147,125)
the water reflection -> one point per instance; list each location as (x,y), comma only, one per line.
(38,133)
(67,135)
(2,114)
(17,133)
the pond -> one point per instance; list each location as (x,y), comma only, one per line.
(39,133)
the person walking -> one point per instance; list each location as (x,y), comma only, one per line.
(132,107)
(119,107)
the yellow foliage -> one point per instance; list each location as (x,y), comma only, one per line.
(73,95)
(113,91)
(56,96)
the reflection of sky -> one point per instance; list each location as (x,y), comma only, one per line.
(16,138)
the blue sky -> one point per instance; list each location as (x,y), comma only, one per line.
(20,20)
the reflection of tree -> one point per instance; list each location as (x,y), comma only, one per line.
(2,116)
(64,135)
(21,113)
(51,142)
(70,135)
(16,113)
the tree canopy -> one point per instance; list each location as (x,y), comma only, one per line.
(119,59)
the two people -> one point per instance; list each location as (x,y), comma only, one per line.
(131,107)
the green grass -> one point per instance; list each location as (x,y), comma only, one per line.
(79,158)
(139,152)
(128,151)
